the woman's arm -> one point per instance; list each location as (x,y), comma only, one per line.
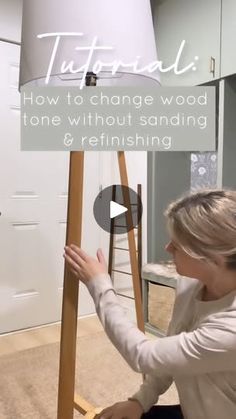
(210,348)
(153,386)
(150,390)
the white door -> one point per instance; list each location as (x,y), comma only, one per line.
(33,203)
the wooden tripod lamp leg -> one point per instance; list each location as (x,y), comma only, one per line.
(70,292)
(66,394)
(132,244)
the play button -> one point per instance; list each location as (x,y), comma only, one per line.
(117,209)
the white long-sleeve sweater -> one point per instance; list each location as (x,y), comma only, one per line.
(199,353)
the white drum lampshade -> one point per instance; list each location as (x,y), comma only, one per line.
(125,25)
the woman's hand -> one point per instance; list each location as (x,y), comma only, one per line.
(83,266)
(130,409)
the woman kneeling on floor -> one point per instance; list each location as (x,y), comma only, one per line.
(199,353)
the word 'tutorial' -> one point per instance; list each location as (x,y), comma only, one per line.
(114,66)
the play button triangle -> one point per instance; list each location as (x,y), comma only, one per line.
(116,209)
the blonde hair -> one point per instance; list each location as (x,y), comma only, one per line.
(203,224)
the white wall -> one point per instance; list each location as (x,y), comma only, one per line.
(137,172)
(10,19)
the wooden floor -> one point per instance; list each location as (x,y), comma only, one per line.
(32,338)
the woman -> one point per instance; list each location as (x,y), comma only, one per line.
(199,353)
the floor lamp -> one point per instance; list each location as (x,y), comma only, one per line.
(125,26)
